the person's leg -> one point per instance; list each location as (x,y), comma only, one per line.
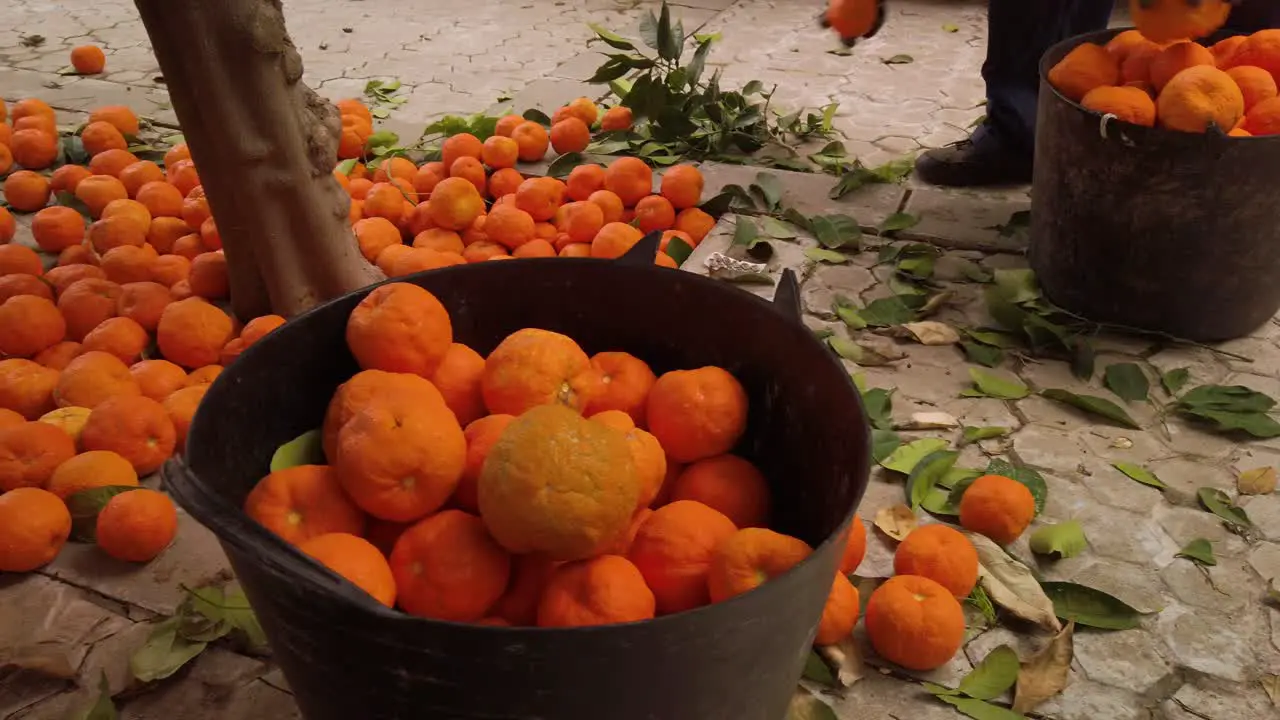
(1018,34)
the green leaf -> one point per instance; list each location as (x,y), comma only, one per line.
(982,354)
(857,352)
(164,653)
(1220,504)
(894,310)
(1228,398)
(346,166)
(1175,379)
(926,474)
(745,233)
(979,599)
(1139,473)
(305,449)
(1066,539)
(974,434)
(611,70)
(938,502)
(816,670)
(536,115)
(563,165)
(679,250)
(775,228)
(850,315)
(878,402)
(382,138)
(1083,359)
(1199,550)
(987,384)
(894,171)
(823,255)
(898,221)
(836,231)
(906,457)
(1257,424)
(951,28)
(769,188)
(611,38)
(669,41)
(1025,475)
(884,443)
(901,59)
(1090,607)
(1093,404)
(992,677)
(102,708)
(67,199)
(957,475)
(1127,381)
(979,709)
(1017,285)
(84,507)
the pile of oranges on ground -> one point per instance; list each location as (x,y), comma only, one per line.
(109,336)
(1181,85)
(473,204)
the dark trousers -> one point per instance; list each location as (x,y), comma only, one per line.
(1020,31)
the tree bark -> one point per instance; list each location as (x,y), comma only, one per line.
(265,146)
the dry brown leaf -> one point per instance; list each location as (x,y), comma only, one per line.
(928,421)
(932,332)
(845,660)
(1271,686)
(1045,674)
(897,521)
(1011,585)
(1258,481)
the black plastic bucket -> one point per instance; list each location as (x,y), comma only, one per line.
(345,656)
(1149,228)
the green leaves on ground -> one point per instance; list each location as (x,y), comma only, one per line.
(976,434)
(859,352)
(206,615)
(836,231)
(305,449)
(1174,380)
(1220,504)
(679,250)
(383,97)
(1065,539)
(102,708)
(1199,550)
(992,677)
(1127,380)
(85,506)
(819,255)
(978,709)
(1094,405)
(1139,473)
(897,221)
(881,312)
(1025,475)
(988,384)
(901,59)
(927,473)
(905,458)
(816,670)
(878,403)
(1230,408)
(854,175)
(1087,606)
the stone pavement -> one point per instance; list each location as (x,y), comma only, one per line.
(1210,641)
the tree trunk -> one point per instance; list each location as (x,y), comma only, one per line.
(265,145)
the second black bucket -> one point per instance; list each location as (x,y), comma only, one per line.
(1150,228)
(345,656)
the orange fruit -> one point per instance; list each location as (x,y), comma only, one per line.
(1120,45)
(88,59)
(729,484)
(57,228)
(1224,50)
(579,250)
(6,155)
(1086,67)
(855,548)
(138,428)
(749,558)
(352,106)
(209,234)
(108,234)
(118,336)
(697,414)
(260,327)
(303,502)
(136,526)
(111,161)
(93,469)
(914,622)
(570,135)
(384,200)
(1198,96)
(67,177)
(138,174)
(169,270)
(101,136)
(510,226)
(400,459)
(143,302)
(614,240)
(33,149)
(183,175)
(92,378)
(1176,58)
(357,560)
(29,324)
(508,123)
(158,379)
(9,418)
(600,591)
(654,213)
(26,387)
(204,375)
(59,356)
(483,250)
(30,453)
(616,118)
(23,284)
(208,276)
(439,240)
(646,454)
(192,332)
(532,367)
(840,614)
(1129,104)
(86,302)
(532,140)
(70,420)
(181,406)
(610,204)
(34,525)
(96,191)
(471,170)
(1255,85)
(399,328)
(540,197)
(128,263)
(580,220)
(15,259)
(26,191)
(682,186)
(504,182)
(625,382)
(458,379)
(176,153)
(455,204)
(353,135)
(447,567)
(1261,49)
(559,484)
(8,226)
(630,179)
(500,152)
(998,507)
(122,117)
(395,167)
(374,235)
(673,550)
(460,145)
(1264,119)
(30,106)
(480,435)
(518,606)
(584,180)
(82,254)
(362,390)
(1165,22)
(424,180)
(162,200)
(942,554)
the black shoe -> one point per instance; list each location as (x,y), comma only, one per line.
(979,160)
